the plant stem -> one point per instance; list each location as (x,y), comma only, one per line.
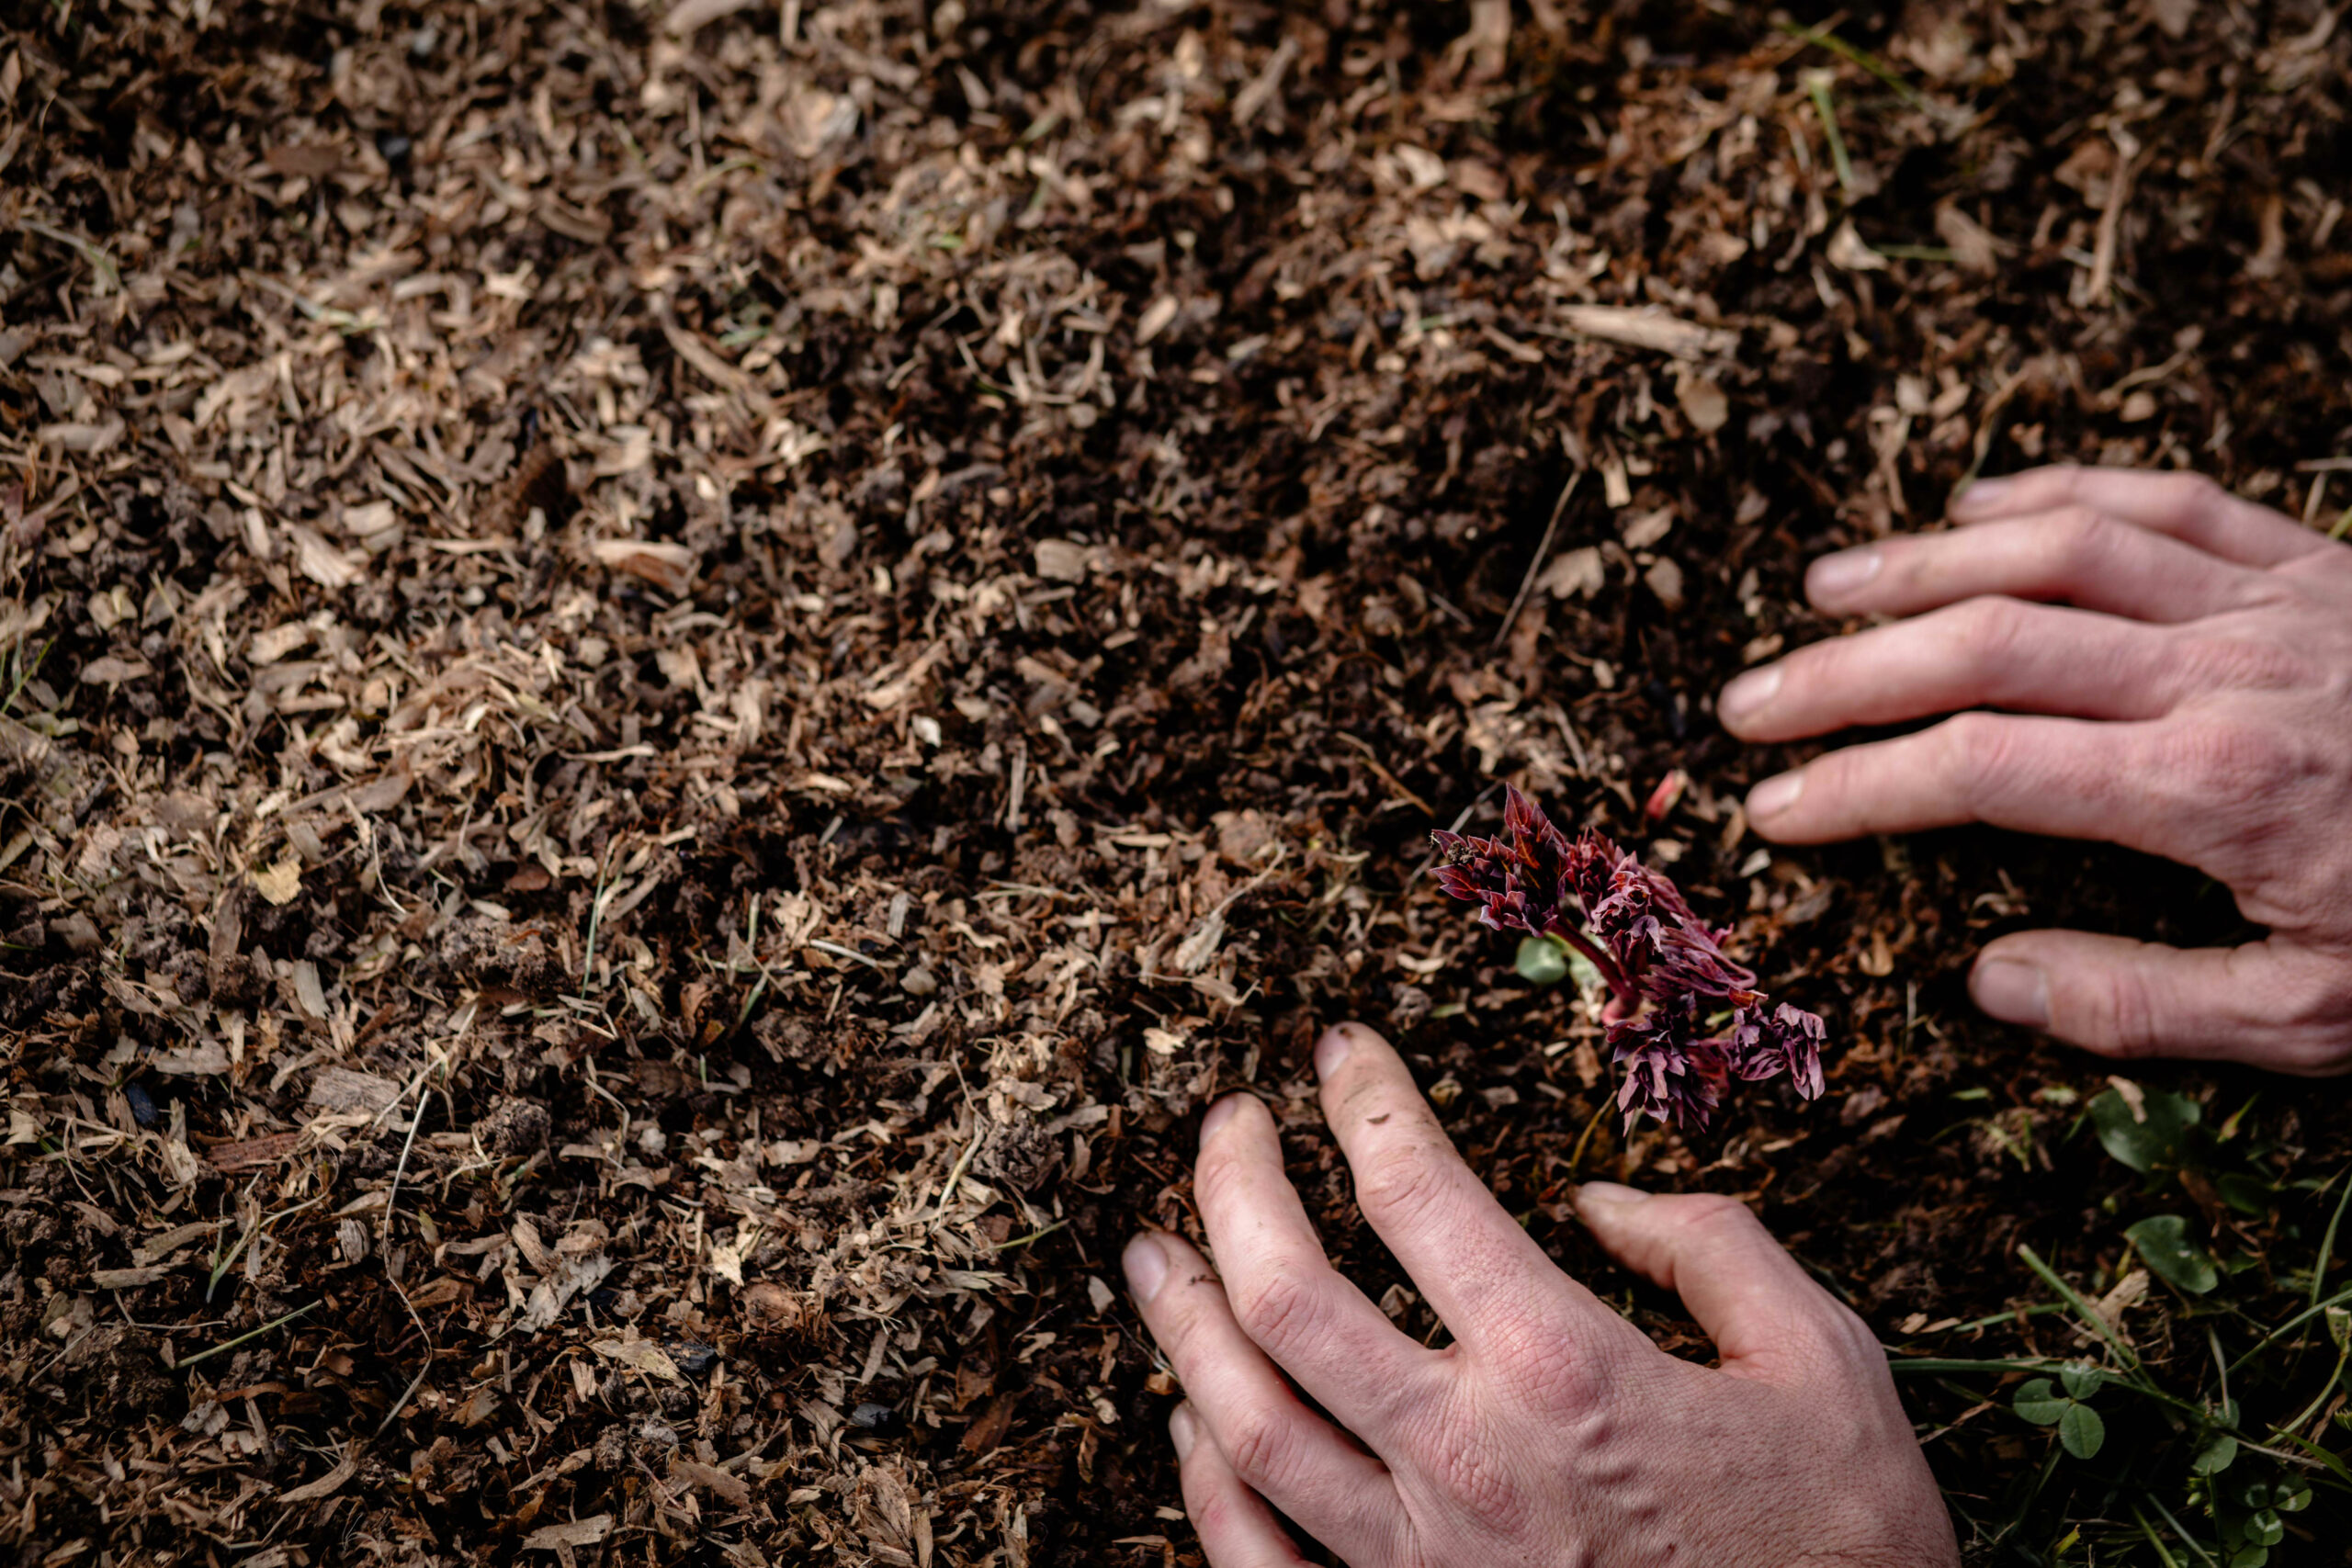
(2291,1428)
(2082,1309)
(2153,1539)
(2181,1531)
(1619,986)
(242,1338)
(2295,1321)
(2327,1240)
(1576,1159)
(1818,85)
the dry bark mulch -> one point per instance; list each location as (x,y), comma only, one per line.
(679,681)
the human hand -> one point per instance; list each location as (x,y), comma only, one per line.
(2192,697)
(1551,1430)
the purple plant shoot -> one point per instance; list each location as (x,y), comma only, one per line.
(1666,967)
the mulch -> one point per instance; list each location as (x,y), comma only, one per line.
(681,679)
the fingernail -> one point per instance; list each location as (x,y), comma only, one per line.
(1834,577)
(1748,692)
(1982,496)
(1183,1430)
(1146,1262)
(1609,1192)
(1333,1049)
(2012,992)
(1219,1114)
(1776,795)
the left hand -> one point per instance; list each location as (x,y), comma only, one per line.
(2191,698)
(1551,1431)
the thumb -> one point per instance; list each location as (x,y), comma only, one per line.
(1767,1316)
(2269,1003)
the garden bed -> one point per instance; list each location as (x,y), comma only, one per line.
(677,693)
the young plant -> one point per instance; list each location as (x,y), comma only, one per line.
(1666,968)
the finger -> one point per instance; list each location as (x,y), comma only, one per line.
(1236,1527)
(1485,1277)
(2190,507)
(2273,1005)
(1288,1299)
(1768,1318)
(2078,553)
(2064,777)
(1985,653)
(1280,1449)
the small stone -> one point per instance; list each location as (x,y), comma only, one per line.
(919,982)
(877,1421)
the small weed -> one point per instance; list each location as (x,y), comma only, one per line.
(2163,1448)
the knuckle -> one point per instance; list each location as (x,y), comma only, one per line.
(1219,1510)
(1851,1342)
(2082,541)
(1979,751)
(1211,1510)
(2312,1015)
(2195,493)
(1262,1448)
(1714,1214)
(2128,1017)
(1534,1362)
(1275,1308)
(1464,1466)
(1988,630)
(1402,1182)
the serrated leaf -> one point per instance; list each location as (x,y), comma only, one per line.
(2165,1244)
(2216,1456)
(2080,1379)
(2154,1137)
(2039,1400)
(1542,960)
(2081,1431)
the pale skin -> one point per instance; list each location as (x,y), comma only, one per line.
(2134,657)
(1550,1430)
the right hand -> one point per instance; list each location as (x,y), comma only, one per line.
(1551,1431)
(2194,702)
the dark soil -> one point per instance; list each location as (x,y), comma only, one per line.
(675,700)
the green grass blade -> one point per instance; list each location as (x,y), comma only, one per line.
(2335,1220)
(2083,1308)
